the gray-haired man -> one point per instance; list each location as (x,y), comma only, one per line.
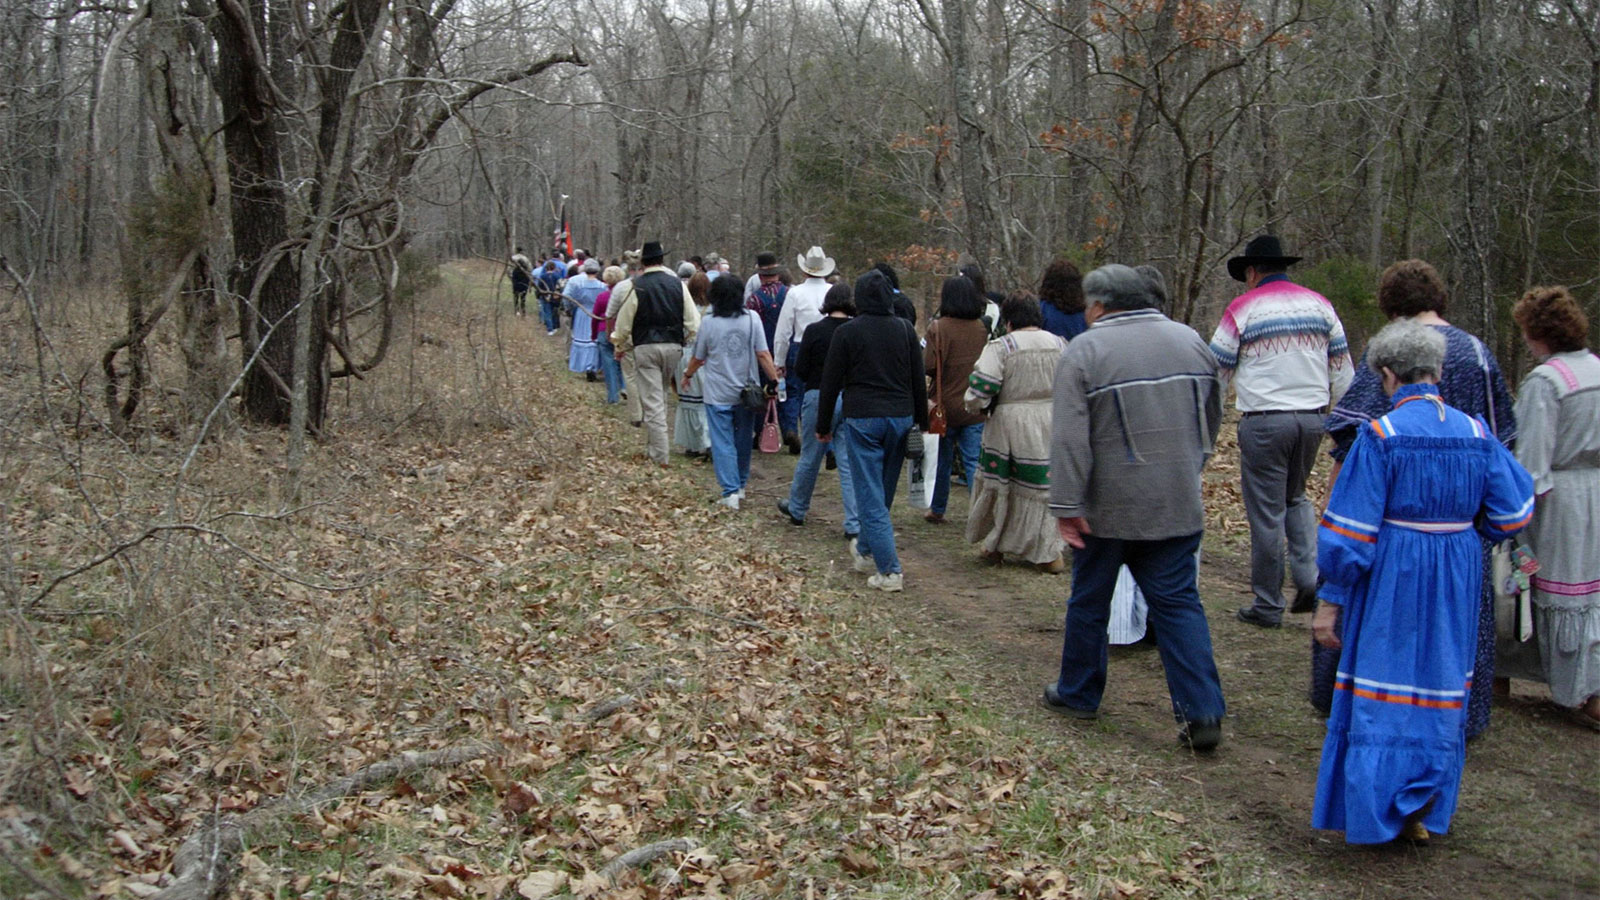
(1137,409)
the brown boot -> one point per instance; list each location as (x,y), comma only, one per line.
(1053,567)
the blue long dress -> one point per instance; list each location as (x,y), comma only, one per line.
(1397,550)
(584,355)
(1470,381)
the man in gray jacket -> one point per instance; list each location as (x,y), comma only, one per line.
(1137,408)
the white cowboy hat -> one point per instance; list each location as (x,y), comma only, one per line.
(815,263)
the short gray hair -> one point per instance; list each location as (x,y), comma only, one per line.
(1407,349)
(591,266)
(1117,287)
(1158,283)
(686,269)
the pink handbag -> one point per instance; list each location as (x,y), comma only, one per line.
(771,440)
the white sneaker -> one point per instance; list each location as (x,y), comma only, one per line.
(892,582)
(739,493)
(862,564)
(731,501)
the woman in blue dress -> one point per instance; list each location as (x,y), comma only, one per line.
(1398,555)
(1471,382)
(581,292)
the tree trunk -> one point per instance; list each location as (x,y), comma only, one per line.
(90,190)
(1473,236)
(264,278)
(1381,18)
(978,218)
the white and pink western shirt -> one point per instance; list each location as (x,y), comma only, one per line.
(1283,347)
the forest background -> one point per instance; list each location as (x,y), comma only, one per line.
(230,160)
(222,217)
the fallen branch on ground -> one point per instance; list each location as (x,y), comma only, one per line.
(646,854)
(207,861)
(606,707)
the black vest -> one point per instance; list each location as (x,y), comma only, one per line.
(658,317)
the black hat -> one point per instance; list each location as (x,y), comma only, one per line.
(766,263)
(1262,250)
(652,250)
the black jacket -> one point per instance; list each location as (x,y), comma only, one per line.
(813,354)
(876,360)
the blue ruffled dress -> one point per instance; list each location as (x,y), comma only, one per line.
(1398,550)
(1471,382)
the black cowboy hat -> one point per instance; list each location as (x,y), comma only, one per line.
(652,250)
(1262,250)
(766,263)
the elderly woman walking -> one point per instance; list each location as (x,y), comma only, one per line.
(581,293)
(1558,409)
(1013,380)
(1399,557)
(1471,382)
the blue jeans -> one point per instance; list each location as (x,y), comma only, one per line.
(805,471)
(549,315)
(610,366)
(1166,572)
(876,448)
(789,410)
(969,440)
(731,428)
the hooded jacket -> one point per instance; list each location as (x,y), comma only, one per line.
(876,360)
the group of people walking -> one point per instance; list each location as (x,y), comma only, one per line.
(1082,419)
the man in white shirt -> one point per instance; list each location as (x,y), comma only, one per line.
(802,307)
(1284,349)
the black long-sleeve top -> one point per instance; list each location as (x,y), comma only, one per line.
(813,354)
(876,360)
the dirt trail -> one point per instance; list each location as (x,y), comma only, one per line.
(1527,822)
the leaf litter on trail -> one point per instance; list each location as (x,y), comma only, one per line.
(759,708)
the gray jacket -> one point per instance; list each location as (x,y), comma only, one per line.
(1137,408)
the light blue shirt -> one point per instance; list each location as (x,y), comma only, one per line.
(726,347)
(584,289)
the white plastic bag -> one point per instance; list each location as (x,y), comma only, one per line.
(921,472)
(1128,611)
(917,490)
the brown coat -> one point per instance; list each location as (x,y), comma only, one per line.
(953,348)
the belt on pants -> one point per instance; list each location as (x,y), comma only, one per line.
(1282,412)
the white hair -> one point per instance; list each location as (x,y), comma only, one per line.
(1407,349)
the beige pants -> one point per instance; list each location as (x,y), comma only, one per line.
(654,365)
(630,377)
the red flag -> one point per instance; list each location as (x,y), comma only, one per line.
(566,231)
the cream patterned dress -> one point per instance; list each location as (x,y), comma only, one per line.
(1011,509)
